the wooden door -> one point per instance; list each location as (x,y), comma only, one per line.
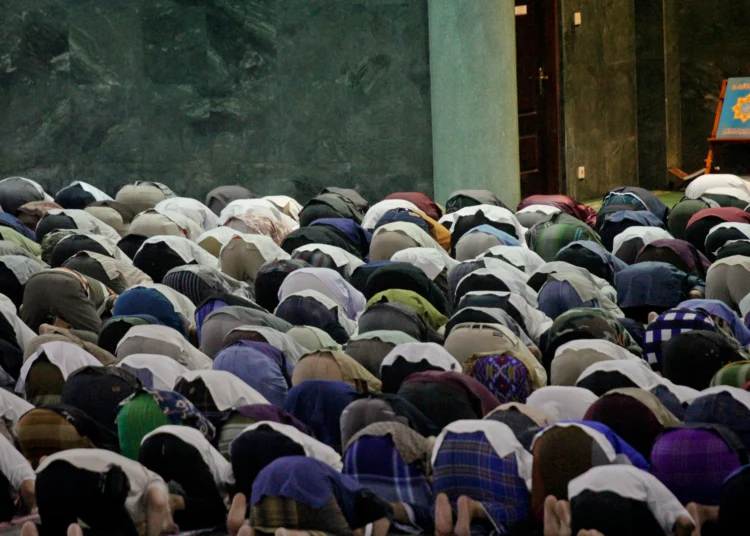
(538,96)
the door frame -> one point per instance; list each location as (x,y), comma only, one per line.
(553,99)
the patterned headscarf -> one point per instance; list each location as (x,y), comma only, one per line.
(506,376)
(588,323)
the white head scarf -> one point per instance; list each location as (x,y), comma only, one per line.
(66,356)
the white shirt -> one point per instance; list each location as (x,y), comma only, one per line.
(13,465)
(414,352)
(632,483)
(99,461)
(227,390)
(562,403)
(313,448)
(220,468)
(66,356)
(165,370)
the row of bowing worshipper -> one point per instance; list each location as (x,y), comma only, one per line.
(255,365)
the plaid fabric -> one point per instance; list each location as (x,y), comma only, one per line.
(468,465)
(693,464)
(375,463)
(670,324)
(43,432)
(272,513)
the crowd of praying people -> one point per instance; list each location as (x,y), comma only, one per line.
(351,367)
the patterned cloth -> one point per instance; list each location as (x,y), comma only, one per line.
(588,323)
(375,463)
(734,375)
(506,377)
(179,410)
(670,324)
(467,464)
(261,225)
(552,239)
(693,464)
(42,432)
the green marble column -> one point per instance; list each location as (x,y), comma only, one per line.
(474,101)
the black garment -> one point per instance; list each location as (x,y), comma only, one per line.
(130,244)
(581,256)
(66,494)
(696,232)
(477,282)
(252,451)
(307,311)
(442,404)
(65,249)
(362,273)
(156,260)
(405,276)
(612,514)
(396,316)
(393,375)
(601,382)
(652,203)
(692,358)
(268,281)
(100,436)
(718,239)
(522,426)
(741,247)
(53,222)
(98,391)
(489,301)
(735,496)
(74,197)
(177,461)
(318,234)
(86,265)
(464,224)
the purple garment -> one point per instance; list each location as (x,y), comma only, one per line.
(268,412)
(721,310)
(558,297)
(695,260)
(307,481)
(354,232)
(204,310)
(693,464)
(319,404)
(260,365)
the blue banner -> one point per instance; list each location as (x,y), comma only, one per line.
(735,115)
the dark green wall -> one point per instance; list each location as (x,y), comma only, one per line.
(283,96)
(713,45)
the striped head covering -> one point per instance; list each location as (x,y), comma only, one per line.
(734,375)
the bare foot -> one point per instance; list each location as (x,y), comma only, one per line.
(467,509)
(699,514)
(158,517)
(583,532)
(652,316)
(246,530)
(29,529)
(381,527)
(556,517)
(288,532)
(237,514)
(443,516)
(75,530)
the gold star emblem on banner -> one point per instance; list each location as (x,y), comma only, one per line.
(742,109)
